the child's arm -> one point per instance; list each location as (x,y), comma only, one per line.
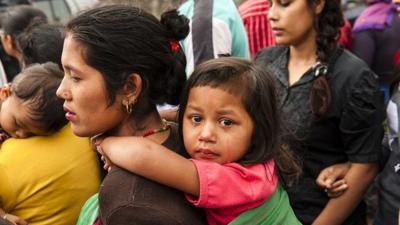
(153,161)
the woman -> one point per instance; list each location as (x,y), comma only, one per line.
(14,22)
(120,62)
(332,103)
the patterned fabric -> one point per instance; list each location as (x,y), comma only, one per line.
(254,14)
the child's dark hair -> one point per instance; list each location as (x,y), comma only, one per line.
(37,85)
(256,88)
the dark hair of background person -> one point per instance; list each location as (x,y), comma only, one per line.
(17,18)
(256,88)
(119,40)
(14,19)
(41,43)
(327,25)
(37,85)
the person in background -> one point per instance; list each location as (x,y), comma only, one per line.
(40,44)
(254,14)
(14,21)
(332,104)
(216,29)
(378,27)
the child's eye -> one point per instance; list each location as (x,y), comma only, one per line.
(196,119)
(226,122)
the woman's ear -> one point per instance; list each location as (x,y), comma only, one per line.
(319,6)
(133,86)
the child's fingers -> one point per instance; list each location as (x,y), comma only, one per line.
(335,195)
(337,190)
(338,184)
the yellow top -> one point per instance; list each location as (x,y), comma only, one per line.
(46,180)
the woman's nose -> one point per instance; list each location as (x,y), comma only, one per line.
(61,91)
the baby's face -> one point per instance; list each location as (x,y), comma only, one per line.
(16,118)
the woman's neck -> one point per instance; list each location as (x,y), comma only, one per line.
(132,127)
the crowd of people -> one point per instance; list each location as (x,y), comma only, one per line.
(275,113)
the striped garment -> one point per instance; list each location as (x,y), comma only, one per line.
(254,14)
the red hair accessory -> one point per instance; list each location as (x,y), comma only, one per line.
(174,45)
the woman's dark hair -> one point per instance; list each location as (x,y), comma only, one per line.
(41,43)
(17,18)
(37,85)
(120,40)
(256,88)
(327,25)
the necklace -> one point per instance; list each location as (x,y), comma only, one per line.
(165,127)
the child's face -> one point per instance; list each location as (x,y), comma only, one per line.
(15,118)
(216,126)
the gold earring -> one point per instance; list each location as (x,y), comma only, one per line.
(129,105)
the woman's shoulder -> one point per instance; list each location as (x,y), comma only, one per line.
(270,54)
(126,197)
(352,69)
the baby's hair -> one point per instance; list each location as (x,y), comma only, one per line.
(256,88)
(37,84)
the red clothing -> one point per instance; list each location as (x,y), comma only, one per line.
(254,14)
(397,57)
(345,35)
(228,190)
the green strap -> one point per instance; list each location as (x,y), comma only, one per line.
(276,210)
(89,211)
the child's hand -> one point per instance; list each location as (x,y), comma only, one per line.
(15,220)
(96,145)
(332,179)
(3,136)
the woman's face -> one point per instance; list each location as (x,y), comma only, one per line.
(292,21)
(84,91)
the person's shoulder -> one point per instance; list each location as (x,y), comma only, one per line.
(351,67)
(270,54)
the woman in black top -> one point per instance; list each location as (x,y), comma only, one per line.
(332,105)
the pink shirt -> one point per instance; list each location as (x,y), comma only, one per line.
(230,189)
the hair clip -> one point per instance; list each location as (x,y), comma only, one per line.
(5,92)
(320,69)
(174,45)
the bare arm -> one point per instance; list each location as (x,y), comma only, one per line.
(153,161)
(358,178)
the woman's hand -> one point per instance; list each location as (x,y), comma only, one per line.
(15,220)
(332,179)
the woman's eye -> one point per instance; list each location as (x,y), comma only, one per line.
(196,119)
(226,122)
(75,78)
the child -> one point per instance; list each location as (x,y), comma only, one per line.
(231,128)
(29,106)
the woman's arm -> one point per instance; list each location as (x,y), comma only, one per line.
(153,161)
(358,178)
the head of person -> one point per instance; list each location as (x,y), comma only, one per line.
(119,62)
(229,113)
(14,21)
(298,22)
(397,3)
(40,44)
(30,106)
